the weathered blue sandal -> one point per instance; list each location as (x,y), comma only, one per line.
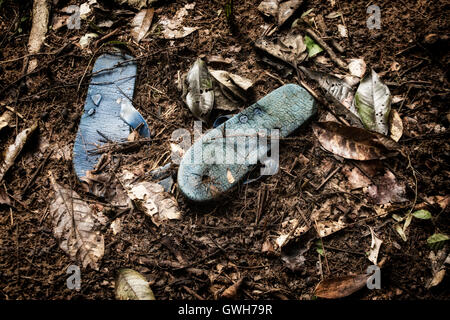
(224,155)
(108,111)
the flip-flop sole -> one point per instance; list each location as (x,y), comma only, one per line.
(224,155)
(111,84)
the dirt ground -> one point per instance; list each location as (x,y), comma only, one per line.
(222,242)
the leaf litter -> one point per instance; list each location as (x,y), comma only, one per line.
(75,225)
(355,178)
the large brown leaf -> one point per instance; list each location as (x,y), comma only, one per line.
(141,23)
(74,225)
(335,288)
(354,143)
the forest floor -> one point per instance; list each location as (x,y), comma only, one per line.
(216,245)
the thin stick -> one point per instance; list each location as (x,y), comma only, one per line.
(33,177)
(321,242)
(329,177)
(327,48)
(197,296)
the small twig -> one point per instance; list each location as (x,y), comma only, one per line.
(321,242)
(33,177)
(329,177)
(327,48)
(197,296)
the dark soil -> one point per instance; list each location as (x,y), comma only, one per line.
(222,242)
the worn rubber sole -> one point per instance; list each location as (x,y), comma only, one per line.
(111,85)
(202,178)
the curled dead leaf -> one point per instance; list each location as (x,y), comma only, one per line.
(141,23)
(231,292)
(280,11)
(395,125)
(5,119)
(151,198)
(354,143)
(335,288)
(4,198)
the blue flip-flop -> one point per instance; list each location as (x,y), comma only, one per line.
(202,176)
(108,110)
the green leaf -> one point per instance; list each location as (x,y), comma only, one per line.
(436,241)
(373,102)
(312,47)
(422,214)
(319,248)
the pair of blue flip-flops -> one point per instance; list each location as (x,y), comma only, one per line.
(109,113)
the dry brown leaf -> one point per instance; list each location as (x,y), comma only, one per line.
(438,259)
(289,48)
(236,84)
(14,150)
(387,189)
(353,143)
(173,28)
(437,278)
(269,7)
(5,119)
(357,67)
(335,288)
(231,292)
(267,246)
(395,125)
(281,11)
(327,227)
(131,285)
(141,23)
(4,198)
(356,178)
(151,198)
(74,225)
(395,66)
(442,201)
